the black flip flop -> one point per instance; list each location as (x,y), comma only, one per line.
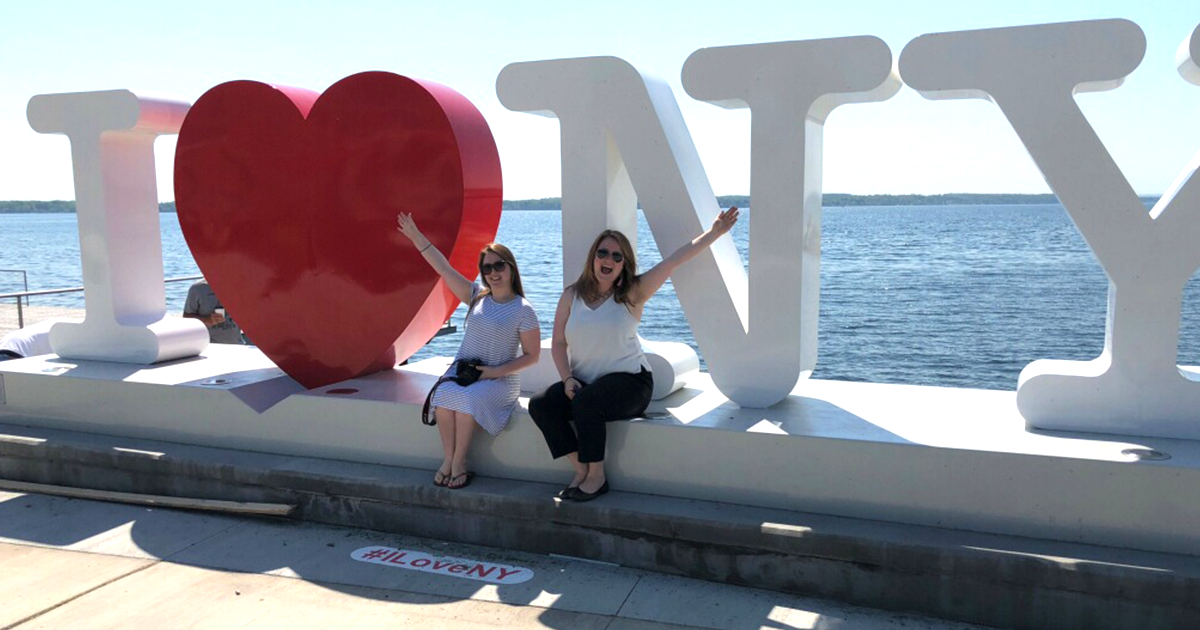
(466,477)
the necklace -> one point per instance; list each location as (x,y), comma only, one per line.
(601,297)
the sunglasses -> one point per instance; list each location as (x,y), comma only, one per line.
(604,253)
(487,268)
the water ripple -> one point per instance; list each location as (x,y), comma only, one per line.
(962,296)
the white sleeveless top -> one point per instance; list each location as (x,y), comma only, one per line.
(603,340)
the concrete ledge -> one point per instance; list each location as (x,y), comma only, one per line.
(1003,581)
(938,457)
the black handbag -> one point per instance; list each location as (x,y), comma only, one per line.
(465,373)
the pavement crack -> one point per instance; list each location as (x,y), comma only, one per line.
(89,591)
(625,601)
(195,543)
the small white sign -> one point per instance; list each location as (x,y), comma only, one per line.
(454,567)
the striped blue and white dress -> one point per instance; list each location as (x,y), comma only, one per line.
(492,336)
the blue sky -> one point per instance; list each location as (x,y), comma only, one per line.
(906,145)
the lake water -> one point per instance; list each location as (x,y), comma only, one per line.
(961,296)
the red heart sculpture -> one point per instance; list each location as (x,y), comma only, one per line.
(288,201)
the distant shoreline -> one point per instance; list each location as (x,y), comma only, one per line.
(843,200)
(831,200)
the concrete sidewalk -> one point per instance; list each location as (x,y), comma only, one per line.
(67,563)
(1002,581)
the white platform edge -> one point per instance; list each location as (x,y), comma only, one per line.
(942,457)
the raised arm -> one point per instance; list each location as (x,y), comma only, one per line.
(652,280)
(459,285)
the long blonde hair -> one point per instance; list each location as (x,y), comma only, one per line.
(588,286)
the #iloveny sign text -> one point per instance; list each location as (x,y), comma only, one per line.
(624,141)
(443,565)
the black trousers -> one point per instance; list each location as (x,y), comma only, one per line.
(617,396)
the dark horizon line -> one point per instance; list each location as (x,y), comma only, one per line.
(555,203)
(850,200)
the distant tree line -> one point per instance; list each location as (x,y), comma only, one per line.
(18,207)
(846,200)
(546,203)
(29,207)
(742,201)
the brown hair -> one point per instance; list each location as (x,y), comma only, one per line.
(588,286)
(506,255)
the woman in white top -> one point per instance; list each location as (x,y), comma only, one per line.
(605,377)
(499,320)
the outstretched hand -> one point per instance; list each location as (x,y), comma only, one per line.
(725,221)
(458,285)
(407,226)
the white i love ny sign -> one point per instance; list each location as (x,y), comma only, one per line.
(624,141)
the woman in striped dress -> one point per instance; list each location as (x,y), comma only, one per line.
(500,322)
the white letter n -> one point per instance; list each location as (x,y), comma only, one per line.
(624,140)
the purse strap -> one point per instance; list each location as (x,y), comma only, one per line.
(427,418)
(471,307)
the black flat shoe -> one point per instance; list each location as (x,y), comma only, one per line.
(582,497)
(565,493)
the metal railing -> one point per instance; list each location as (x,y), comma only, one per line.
(23,296)
(25,283)
(24,276)
(446,328)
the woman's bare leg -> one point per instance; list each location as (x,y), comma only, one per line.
(595,477)
(464,430)
(446,431)
(581,470)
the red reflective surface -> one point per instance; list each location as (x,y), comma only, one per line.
(288,201)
